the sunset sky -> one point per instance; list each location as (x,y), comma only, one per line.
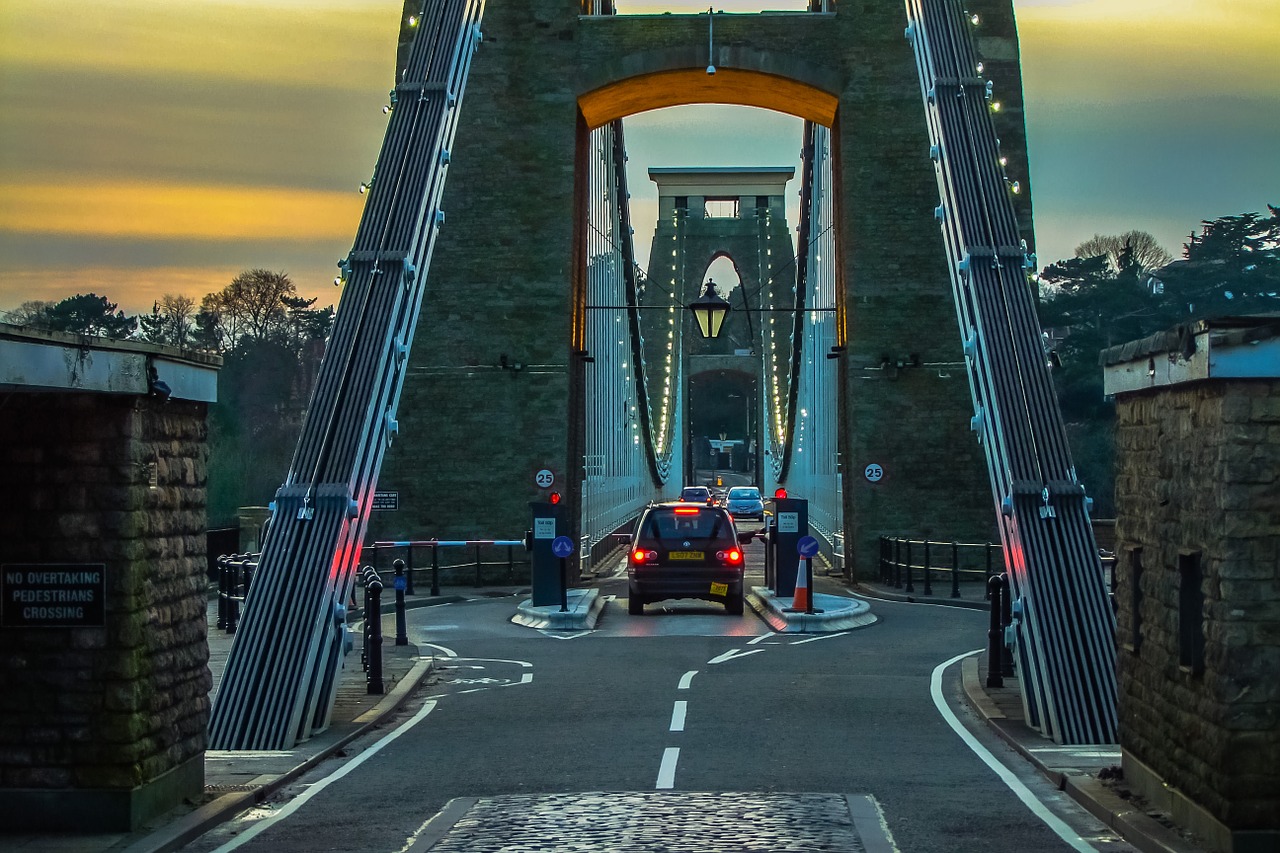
(155,146)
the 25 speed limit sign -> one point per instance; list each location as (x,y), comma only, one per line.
(544,478)
(874,473)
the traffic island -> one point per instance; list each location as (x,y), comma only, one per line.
(581,610)
(830,612)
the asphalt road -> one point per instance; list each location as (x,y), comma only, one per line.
(684,698)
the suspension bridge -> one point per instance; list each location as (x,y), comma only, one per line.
(519,335)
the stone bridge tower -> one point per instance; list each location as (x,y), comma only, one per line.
(507,277)
(739,214)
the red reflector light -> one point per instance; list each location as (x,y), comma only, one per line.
(687,511)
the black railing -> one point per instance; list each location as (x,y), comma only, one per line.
(904,561)
(235,576)
(477,562)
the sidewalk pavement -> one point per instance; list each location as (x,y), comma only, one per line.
(237,781)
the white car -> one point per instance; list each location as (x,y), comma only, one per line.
(744,502)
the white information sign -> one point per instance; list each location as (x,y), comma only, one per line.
(788,522)
(544,478)
(544,528)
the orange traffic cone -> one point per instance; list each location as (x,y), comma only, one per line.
(800,599)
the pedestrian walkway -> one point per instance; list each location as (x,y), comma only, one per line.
(236,781)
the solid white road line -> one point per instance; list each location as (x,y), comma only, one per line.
(733,653)
(819,637)
(1055,823)
(297,802)
(677,716)
(667,771)
(759,639)
(686,680)
(443,650)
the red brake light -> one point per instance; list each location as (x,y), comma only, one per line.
(637,556)
(687,511)
(735,556)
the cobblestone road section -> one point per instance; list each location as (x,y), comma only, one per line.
(655,823)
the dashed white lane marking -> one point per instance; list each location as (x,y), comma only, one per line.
(1023,793)
(686,680)
(733,653)
(297,802)
(667,770)
(820,637)
(759,639)
(677,716)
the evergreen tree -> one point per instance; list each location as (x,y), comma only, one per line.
(90,314)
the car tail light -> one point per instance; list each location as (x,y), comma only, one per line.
(733,556)
(640,556)
(687,511)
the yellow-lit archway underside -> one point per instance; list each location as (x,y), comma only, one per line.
(695,86)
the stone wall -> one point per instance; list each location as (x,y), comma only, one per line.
(1198,479)
(100,727)
(472,435)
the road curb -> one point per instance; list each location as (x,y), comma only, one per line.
(179,833)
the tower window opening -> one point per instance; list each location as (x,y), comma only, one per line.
(721,208)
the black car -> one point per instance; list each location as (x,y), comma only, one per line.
(685,550)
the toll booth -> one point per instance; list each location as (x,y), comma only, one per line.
(548,522)
(790,524)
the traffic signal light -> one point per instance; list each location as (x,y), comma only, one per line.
(554,497)
(780,492)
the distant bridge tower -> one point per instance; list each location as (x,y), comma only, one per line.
(705,214)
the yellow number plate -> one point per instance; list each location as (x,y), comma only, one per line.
(687,555)
(719,589)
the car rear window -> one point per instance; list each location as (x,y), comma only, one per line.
(673,524)
(744,494)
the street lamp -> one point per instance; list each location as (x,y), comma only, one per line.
(709,311)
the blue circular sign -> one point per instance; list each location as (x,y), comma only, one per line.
(807,546)
(562,546)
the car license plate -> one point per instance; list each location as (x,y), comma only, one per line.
(687,555)
(719,589)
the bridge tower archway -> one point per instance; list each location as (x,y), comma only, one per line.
(506,284)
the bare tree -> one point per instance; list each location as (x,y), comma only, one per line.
(33,312)
(258,296)
(172,321)
(1144,251)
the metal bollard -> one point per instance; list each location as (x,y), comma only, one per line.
(928,581)
(435,571)
(402,634)
(1006,619)
(955,570)
(373,632)
(408,570)
(995,636)
(223,572)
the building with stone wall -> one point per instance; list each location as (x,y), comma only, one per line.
(1198,591)
(104,682)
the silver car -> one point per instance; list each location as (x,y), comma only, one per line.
(744,502)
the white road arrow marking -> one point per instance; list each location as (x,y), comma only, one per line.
(733,653)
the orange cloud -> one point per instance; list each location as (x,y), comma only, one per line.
(178,211)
